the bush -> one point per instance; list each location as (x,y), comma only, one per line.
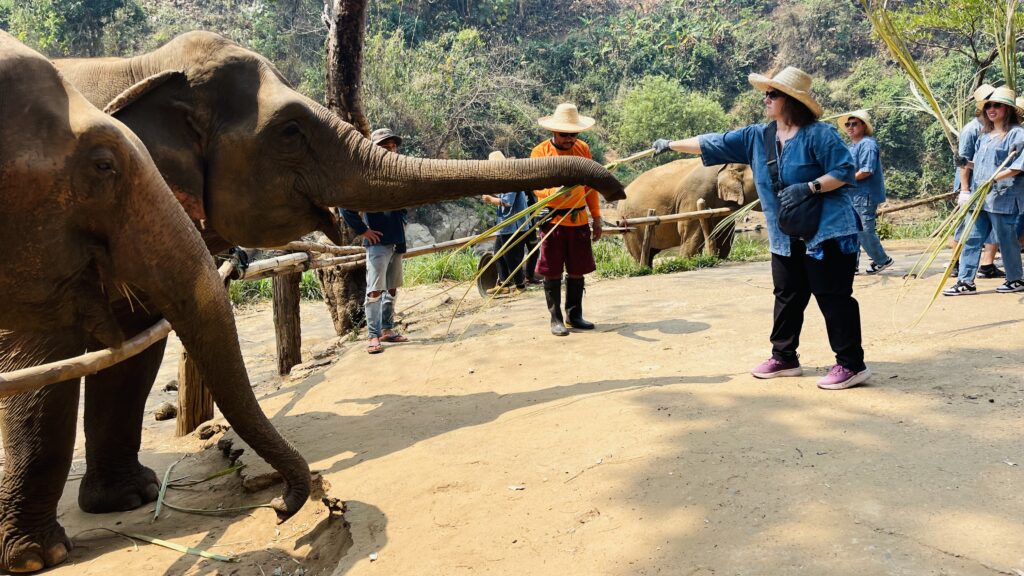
(659,107)
(433,268)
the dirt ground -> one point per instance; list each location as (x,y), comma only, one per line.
(643,447)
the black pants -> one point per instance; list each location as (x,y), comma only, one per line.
(511,259)
(830,279)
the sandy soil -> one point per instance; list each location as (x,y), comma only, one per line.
(641,448)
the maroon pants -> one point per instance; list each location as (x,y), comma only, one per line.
(568,248)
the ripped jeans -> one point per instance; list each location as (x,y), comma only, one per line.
(383,274)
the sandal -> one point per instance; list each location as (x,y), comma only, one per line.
(393,337)
(374,346)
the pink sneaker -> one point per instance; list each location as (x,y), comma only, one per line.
(774,368)
(841,378)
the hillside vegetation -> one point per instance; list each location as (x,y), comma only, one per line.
(463,77)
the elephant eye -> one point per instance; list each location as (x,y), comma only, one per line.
(104,166)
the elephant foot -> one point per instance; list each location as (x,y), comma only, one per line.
(24,551)
(117,491)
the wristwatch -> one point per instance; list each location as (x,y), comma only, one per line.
(817,186)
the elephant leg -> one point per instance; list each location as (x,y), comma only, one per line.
(38,431)
(115,400)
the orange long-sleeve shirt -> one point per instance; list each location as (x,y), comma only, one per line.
(580,195)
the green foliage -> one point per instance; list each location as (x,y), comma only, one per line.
(614,261)
(659,107)
(907,230)
(452,97)
(821,35)
(251,291)
(72,27)
(747,248)
(443,266)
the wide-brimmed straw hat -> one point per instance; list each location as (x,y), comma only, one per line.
(566,119)
(982,92)
(1020,105)
(793,82)
(381,134)
(1003,95)
(861,115)
(496,155)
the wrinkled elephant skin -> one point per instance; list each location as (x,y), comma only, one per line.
(674,188)
(260,164)
(86,220)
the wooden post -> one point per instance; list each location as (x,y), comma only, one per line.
(705,227)
(645,244)
(286,322)
(195,404)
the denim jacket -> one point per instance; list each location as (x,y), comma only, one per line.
(814,151)
(1006,195)
(866,159)
(512,203)
(967,142)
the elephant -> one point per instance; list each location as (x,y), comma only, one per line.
(253,163)
(88,226)
(675,188)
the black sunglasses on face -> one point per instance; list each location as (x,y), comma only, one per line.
(567,134)
(773,94)
(993,105)
(852,123)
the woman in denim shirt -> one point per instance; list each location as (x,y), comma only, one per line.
(812,160)
(1001,136)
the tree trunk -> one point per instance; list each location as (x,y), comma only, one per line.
(287,327)
(344,291)
(195,404)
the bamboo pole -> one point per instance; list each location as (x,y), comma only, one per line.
(36,377)
(318,247)
(441,246)
(646,260)
(195,403)
(918,202)
(288,329)
(705,227)
(681,217)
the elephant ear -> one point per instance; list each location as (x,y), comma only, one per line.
(730,183)
(160,112)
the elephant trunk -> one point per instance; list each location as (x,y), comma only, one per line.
(182,281)
(377,180)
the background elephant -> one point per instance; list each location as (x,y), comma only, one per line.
(86,221)
(674,188)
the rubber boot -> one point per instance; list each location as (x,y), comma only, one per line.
(574,304)
(553,293)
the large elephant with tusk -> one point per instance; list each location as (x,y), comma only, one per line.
(675,188)
(89,230)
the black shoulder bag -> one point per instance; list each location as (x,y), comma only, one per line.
(802,219)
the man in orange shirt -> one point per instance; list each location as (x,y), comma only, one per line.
(567,235)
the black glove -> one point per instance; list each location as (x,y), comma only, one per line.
(794,194)
(661,145)
(960,161)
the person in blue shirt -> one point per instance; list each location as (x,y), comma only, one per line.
(383,235)
(997,157)
(812,159)
(869,189)
(506,205)
(967,142)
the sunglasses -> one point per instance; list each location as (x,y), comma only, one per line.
(773,94)
(852,123)
(993,105)
(567,134)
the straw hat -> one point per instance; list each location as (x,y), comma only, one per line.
(496,155)
(861,115)
(566,119)
(381,134)
(983,92)
(1020,105)
(1003,95)
(793,82)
